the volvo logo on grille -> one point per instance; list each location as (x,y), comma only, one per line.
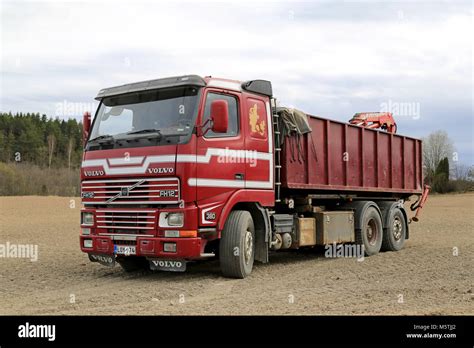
(124,191)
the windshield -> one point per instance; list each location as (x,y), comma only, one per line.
(170,113)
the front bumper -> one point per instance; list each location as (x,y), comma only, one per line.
(109,229)
(186,248)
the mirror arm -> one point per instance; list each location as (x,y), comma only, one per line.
(200,132)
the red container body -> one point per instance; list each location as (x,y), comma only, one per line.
(343,158)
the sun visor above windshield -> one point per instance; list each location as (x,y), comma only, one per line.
(187,80)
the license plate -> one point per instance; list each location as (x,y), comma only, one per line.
(168,265)
(125,250)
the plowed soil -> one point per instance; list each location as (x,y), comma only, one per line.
(433,274)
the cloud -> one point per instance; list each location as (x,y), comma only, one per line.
(331,59)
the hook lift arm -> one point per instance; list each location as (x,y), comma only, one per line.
(418,205)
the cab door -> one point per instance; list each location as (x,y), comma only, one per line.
(220,157)
(258,142)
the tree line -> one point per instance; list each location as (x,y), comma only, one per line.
(39,140)
(42,155)
(443,169)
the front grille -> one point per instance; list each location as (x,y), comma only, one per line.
(126,221)
(130,191)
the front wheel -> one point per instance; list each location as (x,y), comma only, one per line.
(237,245)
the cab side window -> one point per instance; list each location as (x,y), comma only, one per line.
(233,128)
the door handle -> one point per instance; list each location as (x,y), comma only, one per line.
(239,176)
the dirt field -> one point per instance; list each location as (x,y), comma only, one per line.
(426,277)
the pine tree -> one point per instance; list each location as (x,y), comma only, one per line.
(441,177)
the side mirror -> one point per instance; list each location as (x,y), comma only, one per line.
(220,116)
(86,126)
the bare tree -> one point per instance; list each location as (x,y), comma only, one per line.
(51,146)
(462,171)
(70,148)
(435,147)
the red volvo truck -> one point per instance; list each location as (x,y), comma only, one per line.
(188,168)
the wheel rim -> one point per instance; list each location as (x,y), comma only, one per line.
(397,229)
(372,232)
(248,246)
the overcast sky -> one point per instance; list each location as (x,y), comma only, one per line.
(327,58)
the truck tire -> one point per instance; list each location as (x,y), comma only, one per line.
(370,235)
(237,245)
(132,263)
(395,233)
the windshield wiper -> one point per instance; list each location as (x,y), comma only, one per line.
(143,133)
(103,137)
(149,130)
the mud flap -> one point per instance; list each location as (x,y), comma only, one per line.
(263,236)
(167,265)
(106,260)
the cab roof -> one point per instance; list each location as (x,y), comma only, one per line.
(255,86)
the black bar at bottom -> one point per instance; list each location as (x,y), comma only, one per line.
(215,330)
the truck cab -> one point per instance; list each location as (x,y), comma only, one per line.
(165,163)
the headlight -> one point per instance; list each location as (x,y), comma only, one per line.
(168,219)
(86,231)
(87,218)
(87,243)
(175,219)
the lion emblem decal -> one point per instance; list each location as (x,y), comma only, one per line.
(256,125)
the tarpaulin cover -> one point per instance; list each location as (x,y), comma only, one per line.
(293,122)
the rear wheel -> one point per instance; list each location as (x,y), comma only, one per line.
(370,234)
(132,263)
(395,233)
(237,245)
